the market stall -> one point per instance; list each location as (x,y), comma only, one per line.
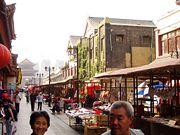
(148,100)
(157,126)
(91,121)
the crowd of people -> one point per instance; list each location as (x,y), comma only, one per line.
(121,114)
(9,109)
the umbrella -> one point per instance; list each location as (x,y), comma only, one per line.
(159,85)
(143,88)
(143,92)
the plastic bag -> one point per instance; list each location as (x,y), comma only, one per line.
(14,128)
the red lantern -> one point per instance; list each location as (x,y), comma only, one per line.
(5,56)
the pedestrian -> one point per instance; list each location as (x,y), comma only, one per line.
(2,113)
(121,117)
(27,96)
(17,101)
(9,117)
(33,100)
(56,106)
(39,122)
(40,100)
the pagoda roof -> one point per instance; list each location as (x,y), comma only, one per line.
(26,62)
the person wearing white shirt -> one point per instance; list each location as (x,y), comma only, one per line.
(121,117)
(17,101)
(40,100)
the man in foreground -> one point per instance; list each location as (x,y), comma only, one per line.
(121,117)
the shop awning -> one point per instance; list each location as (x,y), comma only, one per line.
(115,73)
(161,62)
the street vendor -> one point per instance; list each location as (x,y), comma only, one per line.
(121,118)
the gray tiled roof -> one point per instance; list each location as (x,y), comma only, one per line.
(132,22)
(94,21)
(74,39)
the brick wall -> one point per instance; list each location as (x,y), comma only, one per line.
(122,40)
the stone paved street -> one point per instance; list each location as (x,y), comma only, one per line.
(59,125)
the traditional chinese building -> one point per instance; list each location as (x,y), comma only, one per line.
(28,72)
(8,62)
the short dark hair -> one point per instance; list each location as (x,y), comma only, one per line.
(38,114)
(123,104)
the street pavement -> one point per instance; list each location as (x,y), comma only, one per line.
(58,122)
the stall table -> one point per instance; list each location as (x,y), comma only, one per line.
(158,126)
(94,130)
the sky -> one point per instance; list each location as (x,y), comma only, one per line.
(43,27)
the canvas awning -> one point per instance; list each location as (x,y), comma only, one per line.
(159,63)
(115,73)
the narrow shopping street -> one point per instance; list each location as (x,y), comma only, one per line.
(104,67)
(59,123)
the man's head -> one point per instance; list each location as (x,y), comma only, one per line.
(121,117)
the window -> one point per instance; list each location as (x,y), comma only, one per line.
(162,49)
(178,43)
(90,53)
(146,39)
(164,37)
(71,71)
(102,44)
(171,45)
(96,52)
(170,42)
(63,74)
(166,48)
(119,39)
(68,72)
(178,40)
(75,70)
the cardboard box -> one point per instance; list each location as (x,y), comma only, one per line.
(102,120)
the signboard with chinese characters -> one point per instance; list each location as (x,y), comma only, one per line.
(11,83)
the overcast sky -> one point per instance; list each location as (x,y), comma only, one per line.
(43,27)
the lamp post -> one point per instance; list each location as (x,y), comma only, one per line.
(70,49)
(49,87)
(39,75)
(33,81)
